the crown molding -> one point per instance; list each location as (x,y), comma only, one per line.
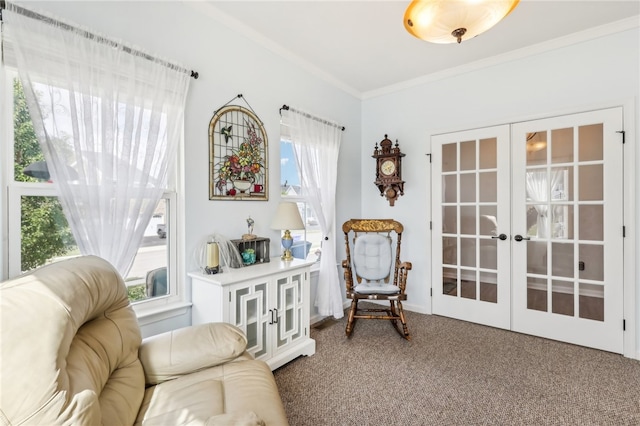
(560,42)
(207,8)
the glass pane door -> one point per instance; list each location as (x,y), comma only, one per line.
(471,225)
(290,308)
(566,285)
(249,312)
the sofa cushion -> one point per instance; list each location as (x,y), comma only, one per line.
(228,392)
(183,351)
(236,419)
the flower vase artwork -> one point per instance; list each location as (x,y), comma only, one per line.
(242,185)
(238,155)
(243,165)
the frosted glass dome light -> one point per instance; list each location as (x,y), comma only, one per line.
(448,21)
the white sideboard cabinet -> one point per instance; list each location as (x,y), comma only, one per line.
(269,302)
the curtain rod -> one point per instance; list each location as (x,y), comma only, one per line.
(286,108)
(31,14)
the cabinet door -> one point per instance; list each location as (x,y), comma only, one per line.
(291,311)
(250,311)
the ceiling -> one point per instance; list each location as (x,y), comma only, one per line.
(362,46)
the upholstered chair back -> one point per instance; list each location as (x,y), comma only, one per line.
(372,257)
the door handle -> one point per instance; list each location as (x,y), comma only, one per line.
(501,237)
(271,313)
(520,238)
(276,312)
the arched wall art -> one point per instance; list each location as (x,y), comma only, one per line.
(238,161)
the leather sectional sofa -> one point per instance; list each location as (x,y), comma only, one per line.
(72,354)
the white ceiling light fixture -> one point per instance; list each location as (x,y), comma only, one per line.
(448,21)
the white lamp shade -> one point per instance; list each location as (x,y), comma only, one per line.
(287,217)
(435,20)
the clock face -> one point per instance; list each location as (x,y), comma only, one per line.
(388,167)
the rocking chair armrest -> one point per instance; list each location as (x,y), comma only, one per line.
(348,277)
(403,271)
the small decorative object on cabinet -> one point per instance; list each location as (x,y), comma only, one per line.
(389,170)
(249,256)
(269,302)
(249,235)
(213,258)
(258,247)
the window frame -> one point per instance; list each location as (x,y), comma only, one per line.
(297,199)
(10,214)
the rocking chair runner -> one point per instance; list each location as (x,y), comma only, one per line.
(370,259)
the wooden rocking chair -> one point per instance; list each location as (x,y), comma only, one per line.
(371,259)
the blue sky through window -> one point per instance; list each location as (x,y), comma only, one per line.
(288,168)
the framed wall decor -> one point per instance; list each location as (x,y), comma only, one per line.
(238,155)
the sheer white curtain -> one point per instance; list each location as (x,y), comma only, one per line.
(316,145)
(538,190)
(109,123)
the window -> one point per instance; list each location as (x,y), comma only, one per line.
(38,232)
(306,242)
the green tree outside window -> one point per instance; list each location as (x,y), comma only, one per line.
(44,229)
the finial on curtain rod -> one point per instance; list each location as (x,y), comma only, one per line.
(286,108)
(100,39)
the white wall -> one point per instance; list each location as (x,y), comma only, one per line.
(568,79)
(228,64)
(603,71)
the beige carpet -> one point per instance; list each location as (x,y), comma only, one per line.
(455,373)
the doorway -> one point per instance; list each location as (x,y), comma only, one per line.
(528,227)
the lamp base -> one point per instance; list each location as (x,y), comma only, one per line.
(287,242)
(286,256)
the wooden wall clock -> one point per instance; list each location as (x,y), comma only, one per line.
(389,170)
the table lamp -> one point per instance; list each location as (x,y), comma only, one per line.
(287,217)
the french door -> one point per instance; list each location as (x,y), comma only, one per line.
(567,208)
(546,234)
(471,221)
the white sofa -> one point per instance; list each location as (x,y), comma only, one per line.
(71,353)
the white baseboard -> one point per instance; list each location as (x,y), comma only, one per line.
(316,318)
(416,308)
